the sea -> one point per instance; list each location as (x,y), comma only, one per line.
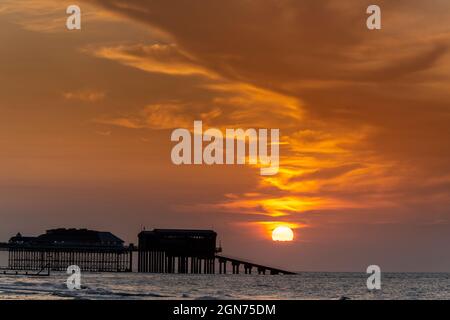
(305,285)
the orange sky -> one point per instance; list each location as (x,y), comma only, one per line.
(364,118)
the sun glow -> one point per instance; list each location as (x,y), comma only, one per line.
(282,234)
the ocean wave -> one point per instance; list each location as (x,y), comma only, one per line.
(154,286)
(208,298)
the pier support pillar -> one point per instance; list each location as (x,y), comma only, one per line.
(235,267)
(248,269)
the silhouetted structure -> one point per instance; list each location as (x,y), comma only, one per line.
(159,251)
(59,248)
(170,250)
(248,266)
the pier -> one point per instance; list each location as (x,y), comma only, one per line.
(190,251)
(158,251)
(177,251)
(57,249)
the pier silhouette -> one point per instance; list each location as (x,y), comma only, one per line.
(158,251)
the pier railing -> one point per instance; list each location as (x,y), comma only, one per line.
(58,258)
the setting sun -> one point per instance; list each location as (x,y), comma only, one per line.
(282,234)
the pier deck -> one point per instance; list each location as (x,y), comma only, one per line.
(248,266)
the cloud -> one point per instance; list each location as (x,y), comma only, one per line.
(85,95)
(306,40)
(158,58)
(327,173)
(157,117)
(364,115)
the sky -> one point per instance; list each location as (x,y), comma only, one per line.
(86,117)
